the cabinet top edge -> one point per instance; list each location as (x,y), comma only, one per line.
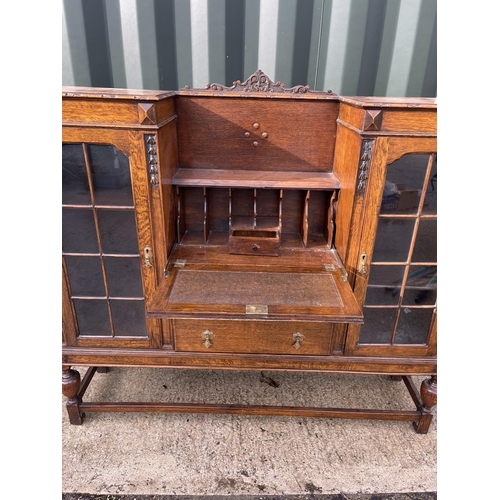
(157,95)
(390,102)
(112,93)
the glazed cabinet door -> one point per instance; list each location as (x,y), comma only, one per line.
(396,266)
(108,271)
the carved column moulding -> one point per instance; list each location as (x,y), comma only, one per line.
(152,159)
(260,82)
(147,113)
(364,164)
(372,119)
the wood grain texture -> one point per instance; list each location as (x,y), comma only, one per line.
(401,121)
(254,336)
(114,94)
(258,179)
(143,216)
(69,323)
(406,103)
(375,365)
(82,134)
(235,166)
(346,169)
(102,112)
(246,409)
(211,133)
(399,147)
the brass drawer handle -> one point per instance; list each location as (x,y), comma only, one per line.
(298,337)
(207,336)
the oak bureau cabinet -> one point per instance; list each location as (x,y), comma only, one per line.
(251,227)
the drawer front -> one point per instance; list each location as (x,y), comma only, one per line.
(247,243)
(253,337)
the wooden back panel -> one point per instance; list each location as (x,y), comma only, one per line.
(256,134)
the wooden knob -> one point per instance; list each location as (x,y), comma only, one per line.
(256,125)
(255,143)
(247,134)
(264,135)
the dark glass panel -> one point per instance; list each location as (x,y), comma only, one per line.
(413,326)
(78,231)
(382,296)
(118,231)
(92,317)
(404,184)
(110,176)
(426,243)
(129,318)
(421,286)
(85,276)
(386,275)
(389,279)
(393,239)
(124,276)
(75,184)
(378,326)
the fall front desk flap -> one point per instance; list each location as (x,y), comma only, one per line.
(200,286)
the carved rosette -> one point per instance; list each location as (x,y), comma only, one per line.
(152,159)
(364,164)
(260,82)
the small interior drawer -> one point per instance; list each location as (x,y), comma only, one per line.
(257,337)
(254,242)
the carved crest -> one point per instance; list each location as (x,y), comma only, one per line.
(260,82)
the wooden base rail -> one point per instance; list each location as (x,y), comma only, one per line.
(421,416)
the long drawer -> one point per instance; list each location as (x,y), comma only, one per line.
(257,337)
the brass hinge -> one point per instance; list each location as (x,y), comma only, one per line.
(179,263)
(340,264)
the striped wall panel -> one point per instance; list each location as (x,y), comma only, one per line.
(353,47)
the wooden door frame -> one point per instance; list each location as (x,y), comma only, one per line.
(385,151)
(132,144)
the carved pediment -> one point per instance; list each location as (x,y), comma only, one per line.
(260,82)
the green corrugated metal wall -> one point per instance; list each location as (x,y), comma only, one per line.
(353,47)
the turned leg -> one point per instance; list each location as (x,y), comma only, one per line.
(70,387)
(428,392)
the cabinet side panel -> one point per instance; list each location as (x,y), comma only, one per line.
(168,156)
(143,210)
(345,168)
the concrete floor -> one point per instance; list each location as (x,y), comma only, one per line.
(181,454)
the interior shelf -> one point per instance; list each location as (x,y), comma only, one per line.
(255,178)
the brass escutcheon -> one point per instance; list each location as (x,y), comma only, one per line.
(148,257)
(298,337)
(207,335)
(362,264)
